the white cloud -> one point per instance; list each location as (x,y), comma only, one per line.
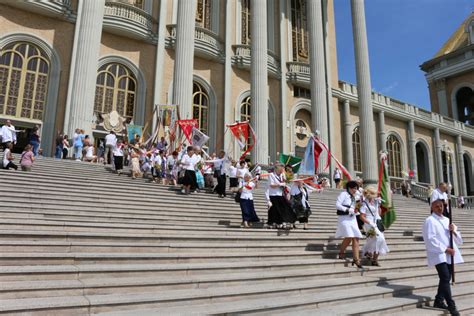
(390,87)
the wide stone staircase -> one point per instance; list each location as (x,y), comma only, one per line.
(77,239)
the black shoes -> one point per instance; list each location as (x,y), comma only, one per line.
(440,304)
(452,309)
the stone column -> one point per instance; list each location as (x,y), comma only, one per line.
(159,61)
(439,158)
(80,105)
(382,134)
(184,58)
(460,160)
(259,79)
(346,117)
(286,128)
(366,118)
(412,146)
(229,116)
(319,114)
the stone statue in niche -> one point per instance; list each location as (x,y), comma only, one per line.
(113,122)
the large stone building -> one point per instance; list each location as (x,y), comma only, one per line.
(67,64)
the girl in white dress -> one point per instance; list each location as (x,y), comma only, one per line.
(370,213)
(347,223)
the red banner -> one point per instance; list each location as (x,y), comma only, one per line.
(241,131)
(187,127)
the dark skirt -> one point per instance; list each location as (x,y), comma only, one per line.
(118,161)
(280,212)
(248,211)
(233,182)
(302,212)
(189,178)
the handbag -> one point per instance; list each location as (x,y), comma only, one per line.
(237,196)
(378,222)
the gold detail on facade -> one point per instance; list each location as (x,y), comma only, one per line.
(115,90)
(246,115)
(299,30)
(203,13)
(24,71)
(245,22)
(394,157)
(201,107)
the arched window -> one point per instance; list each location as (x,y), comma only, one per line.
(115,90)
(24,71)
(200,107)
(246,114)
(394,157)
(356,150)
(203,13)
(299,31)
(245,22)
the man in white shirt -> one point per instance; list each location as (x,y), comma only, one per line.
(436,235)
(337,177)
(440,193)
(110,143)
(8,134)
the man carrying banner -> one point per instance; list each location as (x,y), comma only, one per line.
(436,235)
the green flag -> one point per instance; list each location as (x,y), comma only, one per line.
(388,211)
(293,161)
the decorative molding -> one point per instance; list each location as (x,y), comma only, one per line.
(140,106)
(242,59)
(48,133)
(298,73)
(206,43)
(127,20)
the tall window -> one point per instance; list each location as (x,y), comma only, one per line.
(203,13)
(200,107)
(245,115)
(394,157)
(115,90)
(356,150)
(245,22)
(299,31)
(24,71)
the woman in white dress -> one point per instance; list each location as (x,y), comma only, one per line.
(347,223)
(375,244)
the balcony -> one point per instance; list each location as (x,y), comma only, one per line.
(206,43)
(57,9)
(242,59)
(127,20)
(298,73)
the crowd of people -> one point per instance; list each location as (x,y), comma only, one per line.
(287,194)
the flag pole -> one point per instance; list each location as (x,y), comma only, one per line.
(451,241)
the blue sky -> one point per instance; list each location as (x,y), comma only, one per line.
(402,34)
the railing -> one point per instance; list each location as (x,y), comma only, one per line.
(207,36)
(385,102)
(206,44)
(130,13)
(468,201)
(298,67)
(420,192)
(242,58)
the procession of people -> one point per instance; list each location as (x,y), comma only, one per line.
(191,169)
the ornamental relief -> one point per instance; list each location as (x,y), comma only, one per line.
(302,131)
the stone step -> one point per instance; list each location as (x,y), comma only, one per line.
(51,288)
(296,294)
(325,268)
(367,300)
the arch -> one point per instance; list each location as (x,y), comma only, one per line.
(454,92)
(396,156)
(49,115)
(242,100)
(139,111)
(212,110)
(356,149)
(468,171)
(299,106)
(423,161)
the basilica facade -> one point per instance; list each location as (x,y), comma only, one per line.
(69,64)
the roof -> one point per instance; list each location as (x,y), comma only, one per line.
(459,39)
